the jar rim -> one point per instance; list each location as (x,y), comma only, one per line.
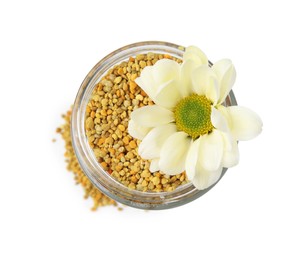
(97,175)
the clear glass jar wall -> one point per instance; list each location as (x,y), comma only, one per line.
(98,176)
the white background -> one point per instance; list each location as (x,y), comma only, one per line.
(48,47)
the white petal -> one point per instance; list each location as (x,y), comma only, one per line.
(214,176)
(245,123)
(195,54)
(165,70)
(137,131)
(146,81)
(191,159)
(231,152)
(200,79)
(152,143)
(195,172)
(187,69)
(173,153)
(226,74)
(151,116)
(218,120)
(227,141)
(168,94)
(224,112)
(211,151)
(204,179)
(154,165)
(205,83)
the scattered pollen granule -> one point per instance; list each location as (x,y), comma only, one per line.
(99,198)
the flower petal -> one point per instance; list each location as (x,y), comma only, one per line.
(151,116)
(211,151)
(195,172)
(231,152)
(153,77)
(165,70)
(137,131)
(226,74)
(218,120)
(168,94)
(192,158)
(245,123)
(227,141)
(224,112)
(146,81)
(154,165)
(152,143)
(205,83)
(195,54)
(173,153)
(187,69)
(200,79)
(204,179)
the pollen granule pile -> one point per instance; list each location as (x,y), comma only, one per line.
(99,198)
(107,116)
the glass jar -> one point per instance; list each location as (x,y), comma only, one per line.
(97,175)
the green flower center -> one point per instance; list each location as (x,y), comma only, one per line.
(192,115)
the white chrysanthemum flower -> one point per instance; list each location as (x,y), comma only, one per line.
(188,128)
